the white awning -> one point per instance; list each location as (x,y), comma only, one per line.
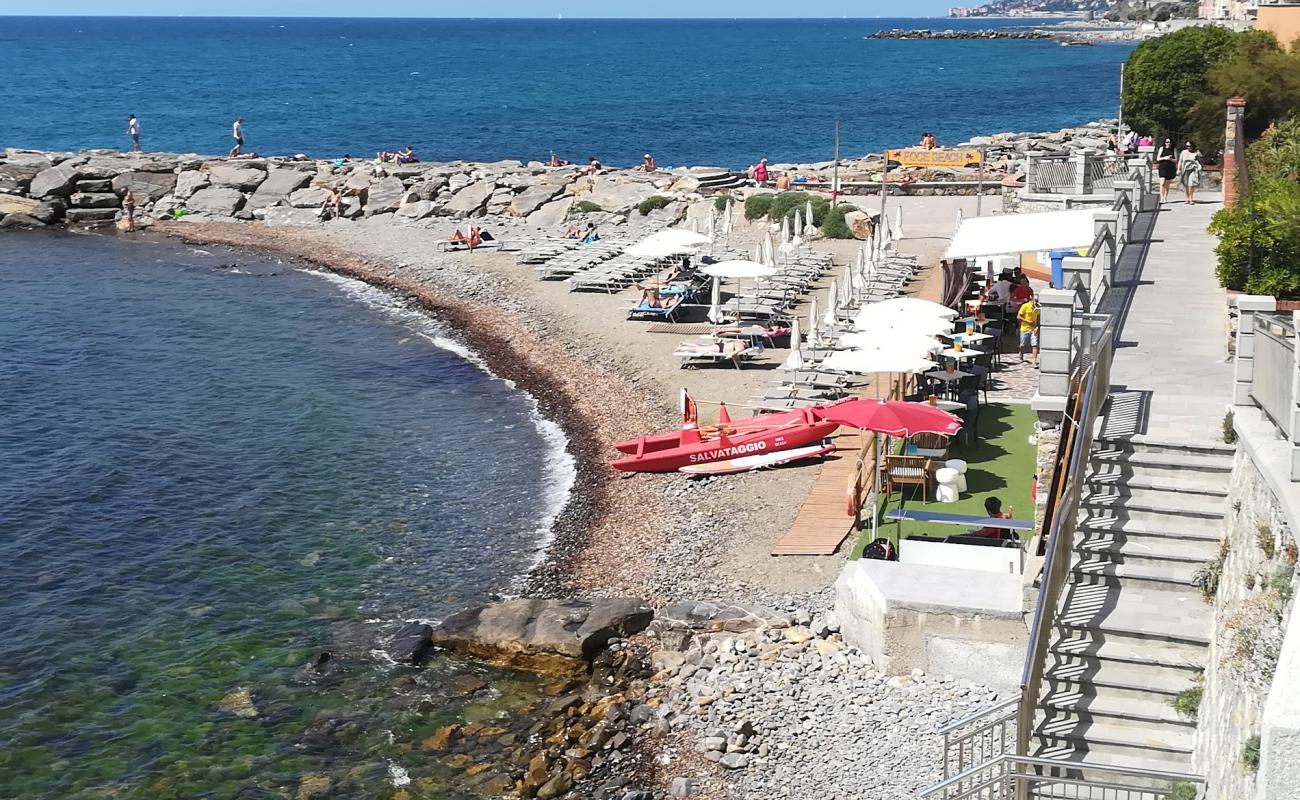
(1022,233)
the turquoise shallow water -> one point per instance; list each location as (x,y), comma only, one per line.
(723,92)
(210,475)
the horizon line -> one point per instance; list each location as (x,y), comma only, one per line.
(491,17)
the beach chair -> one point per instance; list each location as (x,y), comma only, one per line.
(720,351)
(906,471)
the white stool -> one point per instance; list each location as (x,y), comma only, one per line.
(960,466)
(947,480)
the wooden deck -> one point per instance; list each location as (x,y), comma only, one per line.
(824,521)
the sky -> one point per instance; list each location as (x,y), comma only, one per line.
(485,8)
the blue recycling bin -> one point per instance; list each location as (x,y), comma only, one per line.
(1058,272)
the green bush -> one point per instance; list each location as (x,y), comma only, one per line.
(1188,702)
(834,226)
(757,206)
(652,203)
(1280,582)
(1258,69)
(720,202)
(1183,790)
(1206,578)
(1229,432)
(1250,754)
(586,207)
(1266,540)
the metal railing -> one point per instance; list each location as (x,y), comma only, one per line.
(1103,171)
(1272,383)
(1027,778)
(1053,173)
(979,738)
(1092,387)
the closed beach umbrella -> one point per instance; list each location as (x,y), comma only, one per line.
(833,304)
(715,302)
(795,359)
(849,289)
(709,225)
(785,229)
(758,252)
(812,320)
(829,317)
(726,218)
(798,224)
(808,213)
(769,250)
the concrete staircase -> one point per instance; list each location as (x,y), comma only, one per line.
(1131,631)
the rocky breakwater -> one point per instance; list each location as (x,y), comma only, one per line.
(45,188)
(582,739)
(928,34)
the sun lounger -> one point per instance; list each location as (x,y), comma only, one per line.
(453,247)
(719,351)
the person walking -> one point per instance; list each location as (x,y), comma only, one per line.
(1028,315)
(1166,167)
(133,130)
(238,131)
(1189,171)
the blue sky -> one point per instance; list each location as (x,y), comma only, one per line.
(487,8)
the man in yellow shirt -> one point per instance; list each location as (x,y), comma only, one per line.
(1028,317)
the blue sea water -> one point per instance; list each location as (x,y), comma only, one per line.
(723,92)
(209,474)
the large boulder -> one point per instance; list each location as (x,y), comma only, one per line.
(706,617)
(20,221)
(95,200)
(309,198)
(470,201)
(58,181)
(146,186)
(618,194)
(860,222)
(551,215)
(428,189)
(285,216)
(550,636)
(279,184)
(384,196)
(12,204)
(245,179)
(219,201)
(91,214)
(16,178)
(187,183)
(533,198)
(417,210)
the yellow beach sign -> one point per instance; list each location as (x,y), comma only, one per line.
(920,157)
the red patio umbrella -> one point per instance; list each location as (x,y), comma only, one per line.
(892,418)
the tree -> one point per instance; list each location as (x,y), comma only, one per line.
(1165,77)
(1258,70)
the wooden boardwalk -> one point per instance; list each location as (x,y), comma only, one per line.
(824,522)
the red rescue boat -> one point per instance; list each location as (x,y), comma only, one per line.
(691,446)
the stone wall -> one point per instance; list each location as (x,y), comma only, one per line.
(1251,610)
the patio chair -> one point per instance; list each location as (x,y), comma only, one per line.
(933,446)
(907,471)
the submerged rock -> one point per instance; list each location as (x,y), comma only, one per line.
(542,635)
(240,703)
(411,643)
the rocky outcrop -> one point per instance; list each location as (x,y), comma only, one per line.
(57,181)
(279,184)
(533,198)
(411,643)
(385,196)
(470,201)
(245,179)
(417,210)
(221,201)
(95,200)
(148,187)
(187,183)
(550,636)
(308,198)
(10,204)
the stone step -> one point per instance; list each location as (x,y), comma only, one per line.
(1104,477)
(1130,611)
(1077,727)
(1119,569)
(1104,522)
(1156,680)
(1082,645)
(1109,702)
(1150,446)
(1154,507)
(1140,547)
(1119,757)
(1142,460)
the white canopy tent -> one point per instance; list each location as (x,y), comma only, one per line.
(1022,233)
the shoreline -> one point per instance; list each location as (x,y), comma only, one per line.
(510,352)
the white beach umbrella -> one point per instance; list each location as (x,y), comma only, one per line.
(834,296)
(812,320)
(769,249)
(710,226)
(898,220)
(913,342)
(658,249)
(726,218)
(832,300)
(795,359)
(808,214)
(758,252)
(739,269)
(850,295)
(899,323)
(866,361)
(715,302)
(797,230)
(785,230)
(912,305)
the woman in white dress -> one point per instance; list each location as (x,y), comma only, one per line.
(1189,171)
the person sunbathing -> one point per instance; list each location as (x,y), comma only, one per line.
(474,239)
(572,231)
(721,346)
(407,156)
(556,161)
(332,207)
(648,163)
(592,168)
(650,298)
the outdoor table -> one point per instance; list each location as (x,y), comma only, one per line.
(965,352)
(967,338)
(941,518)
(948,378)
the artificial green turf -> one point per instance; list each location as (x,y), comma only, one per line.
(999,463)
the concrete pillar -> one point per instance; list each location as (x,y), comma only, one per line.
(1077,272)
(1145,193)
(1128,190)
(1031,170)
(1082,177)
(1234,152)
(1243,367)
(1055,335)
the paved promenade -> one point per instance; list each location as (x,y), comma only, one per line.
(1171,379)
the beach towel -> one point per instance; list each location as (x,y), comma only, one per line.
(1191,174)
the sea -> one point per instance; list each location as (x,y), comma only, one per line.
(224,478)
(699,92)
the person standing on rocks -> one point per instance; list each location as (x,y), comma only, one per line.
(238,131)
(128,209)
(133,130)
